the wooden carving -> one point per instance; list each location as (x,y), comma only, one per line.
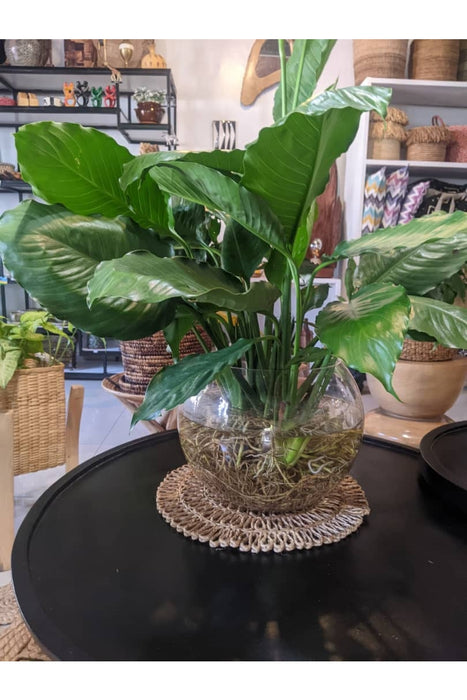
(262,69)
(328,226)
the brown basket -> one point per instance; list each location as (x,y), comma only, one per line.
(385,139)
(457,147)
(421,351)
(37,398)
(379,58)
(428,142)
(462,65)
(434,59)
(143,358)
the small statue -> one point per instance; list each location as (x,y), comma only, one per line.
(110,95)
(69,93)
(315,251)
(96,96)
(82,93)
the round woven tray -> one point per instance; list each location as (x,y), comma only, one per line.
(185,503)
(16,642)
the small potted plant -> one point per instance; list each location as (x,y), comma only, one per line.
(32,387)
(149,109)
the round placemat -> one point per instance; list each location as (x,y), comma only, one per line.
(16,642)
(185,503)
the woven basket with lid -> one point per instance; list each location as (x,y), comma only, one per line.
(421,351)
(428,143)
(387,135)
(379,58)
(434,59)
(462,65)
(143,358)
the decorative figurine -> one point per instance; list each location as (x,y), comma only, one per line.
(153,59)
(82,93)
(69,93)
(110,95)
(315,251)
(96,96)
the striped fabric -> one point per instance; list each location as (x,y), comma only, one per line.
(412,201)
(373,203)
(396,189)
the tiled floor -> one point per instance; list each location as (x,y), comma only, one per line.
(105,424)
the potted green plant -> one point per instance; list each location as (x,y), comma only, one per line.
(115,249)
(32,387)
(149,109)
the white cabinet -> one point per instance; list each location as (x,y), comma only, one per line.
(421,100)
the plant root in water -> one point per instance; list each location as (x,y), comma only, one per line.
(253,464)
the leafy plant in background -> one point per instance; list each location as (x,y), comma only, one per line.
(126,246)
(143,94)
(21,342)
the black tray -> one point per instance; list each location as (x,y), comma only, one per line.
(443,453)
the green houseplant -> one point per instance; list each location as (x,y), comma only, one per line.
(23,346)
(119,250)
(149,109)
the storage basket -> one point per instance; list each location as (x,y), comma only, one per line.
(457,146)
(386,136)
(462,65)
(421,351)
(379,58)
(434,59)
(37,399)
(143,358)
(428,143)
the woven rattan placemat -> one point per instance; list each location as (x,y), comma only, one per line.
(186,504)
(16,643)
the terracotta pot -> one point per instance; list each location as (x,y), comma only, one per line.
(426,389)
(149,112)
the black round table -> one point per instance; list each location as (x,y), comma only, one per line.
(99,575)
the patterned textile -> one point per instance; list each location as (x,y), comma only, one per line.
(412,201)
(373,202)
(396,189)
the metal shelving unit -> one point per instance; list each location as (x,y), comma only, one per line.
(48,82)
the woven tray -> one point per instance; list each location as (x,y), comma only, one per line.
(16,642)
(185,503)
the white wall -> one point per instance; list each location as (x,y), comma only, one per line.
(208,75)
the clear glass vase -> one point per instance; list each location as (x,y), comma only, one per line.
(274,441)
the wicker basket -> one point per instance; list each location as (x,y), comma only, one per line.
(143,358)
(421,351)
(462,65)
(428,143)
(457,147)
(379,58)
(434,59)
(386,136)
(37,398)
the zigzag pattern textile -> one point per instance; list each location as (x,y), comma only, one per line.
(373,203)
(412,201)
(396,188)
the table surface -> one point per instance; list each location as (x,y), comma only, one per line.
(99,575)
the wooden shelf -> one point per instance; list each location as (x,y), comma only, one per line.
(419,168)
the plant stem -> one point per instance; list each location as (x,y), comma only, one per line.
(299,75)
(283,76)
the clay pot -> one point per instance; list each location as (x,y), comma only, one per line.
(149,112)
(426,389)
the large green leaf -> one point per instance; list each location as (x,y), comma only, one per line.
(225,161)
(418,269)
(436,226)
(241,252)
(73,165)
(175,384)
(288,165)
(368,331)
(304,67)
(220,193)
(143,277)
(445,322)
(53,254)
